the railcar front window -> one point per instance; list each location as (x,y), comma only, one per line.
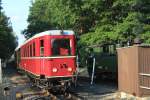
(60,47)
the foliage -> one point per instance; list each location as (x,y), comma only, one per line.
(50,14)
(120,21)
(0,5)
(97,21)
(37,18)
(61,13)
(57,14)
(7,39)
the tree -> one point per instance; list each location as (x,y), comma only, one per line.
(97,21)
(0,5)
(71,14)
(120,21)
(37,18)
(62,15)
(50,14)
(7,39)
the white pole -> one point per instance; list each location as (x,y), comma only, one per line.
(93,71)
(77,69)
(0,72)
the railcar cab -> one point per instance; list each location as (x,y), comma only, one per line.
(62,54)
(57,53)
(63,44)
(58,63)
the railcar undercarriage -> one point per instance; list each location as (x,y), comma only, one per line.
(55,84)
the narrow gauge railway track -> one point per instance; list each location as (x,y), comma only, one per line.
(53,97)
(45,95)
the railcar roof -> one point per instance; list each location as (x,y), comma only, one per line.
(49,32)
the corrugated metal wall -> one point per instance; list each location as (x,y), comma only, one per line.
(134,70)
(128,70)
(144,70)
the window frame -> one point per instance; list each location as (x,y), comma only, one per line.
(34,51)
(42,48)
(59,54)
(30,50)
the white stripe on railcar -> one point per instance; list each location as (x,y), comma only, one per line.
(48,57)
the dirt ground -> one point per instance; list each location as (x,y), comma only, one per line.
(14,83)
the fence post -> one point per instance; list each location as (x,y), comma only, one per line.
(0,72)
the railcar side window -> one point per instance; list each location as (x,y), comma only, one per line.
(60,47)
(25,52)
(41,47)
(22,52)
(30,50)
(33,49)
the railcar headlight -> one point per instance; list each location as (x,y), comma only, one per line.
(54,70)
(69,69)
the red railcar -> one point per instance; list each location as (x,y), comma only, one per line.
(49,56)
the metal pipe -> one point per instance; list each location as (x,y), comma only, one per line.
(93,71)
(77,69)
(144,87)
(0,72)
(144,74)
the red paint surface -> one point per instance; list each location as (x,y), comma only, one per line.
(39,66)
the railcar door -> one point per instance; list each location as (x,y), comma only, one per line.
(42,60)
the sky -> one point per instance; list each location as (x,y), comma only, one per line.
(18,11)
